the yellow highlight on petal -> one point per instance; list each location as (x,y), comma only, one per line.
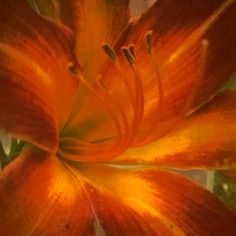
(129,188)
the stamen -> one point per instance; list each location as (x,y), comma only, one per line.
(104,101)
(131,50)
(137,103)
(128,134)
(138,92)
(128,55)
(201,73)
(109,51)
(158,77)
(118,106)
(107,105)
(122,138)
(148,41)
(81,149)
(139,95)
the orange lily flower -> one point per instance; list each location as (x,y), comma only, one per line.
(87,90)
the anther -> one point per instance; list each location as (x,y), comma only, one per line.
(109,51)
(131,49)
(128,55)
(72,68)
(148,40)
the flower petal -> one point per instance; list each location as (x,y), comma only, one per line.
(94,24)
(34,76)
(189,78)
(154,202)
(39,197)
(206,139)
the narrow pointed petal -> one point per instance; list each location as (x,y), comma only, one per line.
(154,202)
(94,23)
(178,30)
(34,76)
(39,197)
(206,139)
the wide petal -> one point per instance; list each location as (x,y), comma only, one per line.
(206,139)
(41,195)
(96,22)
(153,202)
(37,89)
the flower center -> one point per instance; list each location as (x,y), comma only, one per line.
(76,149)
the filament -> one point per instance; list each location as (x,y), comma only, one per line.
(159,85)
